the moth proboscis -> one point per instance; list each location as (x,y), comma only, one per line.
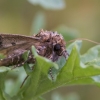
(47,43)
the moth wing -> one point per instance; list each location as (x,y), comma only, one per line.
(10,43)
(9,40)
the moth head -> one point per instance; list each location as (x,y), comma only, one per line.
(55,42)
(59,46)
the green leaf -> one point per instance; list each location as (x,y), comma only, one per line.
(1,95)
(40,98)
(63,77)
(41,61)
(72,73)
(25,55)
(77,69)
(14,79)
(78,45)
(92,54)
(3,72)
(49,4)
(42,66)
(88,70)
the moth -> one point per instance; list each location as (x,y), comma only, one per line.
(47,43)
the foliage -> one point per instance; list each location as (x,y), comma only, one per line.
(77,69)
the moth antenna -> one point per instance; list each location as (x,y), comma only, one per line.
(85,40)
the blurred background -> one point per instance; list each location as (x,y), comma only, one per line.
(72,18)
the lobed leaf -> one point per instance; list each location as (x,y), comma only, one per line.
(76,70)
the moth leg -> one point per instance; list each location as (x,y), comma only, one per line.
(7,61)
(17,64)
(50,72)
(18,59)
(24,81)
(30,59)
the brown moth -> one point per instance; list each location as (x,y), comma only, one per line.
(47,43)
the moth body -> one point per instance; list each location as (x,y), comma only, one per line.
(47,43)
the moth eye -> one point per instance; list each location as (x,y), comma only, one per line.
(57,47)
